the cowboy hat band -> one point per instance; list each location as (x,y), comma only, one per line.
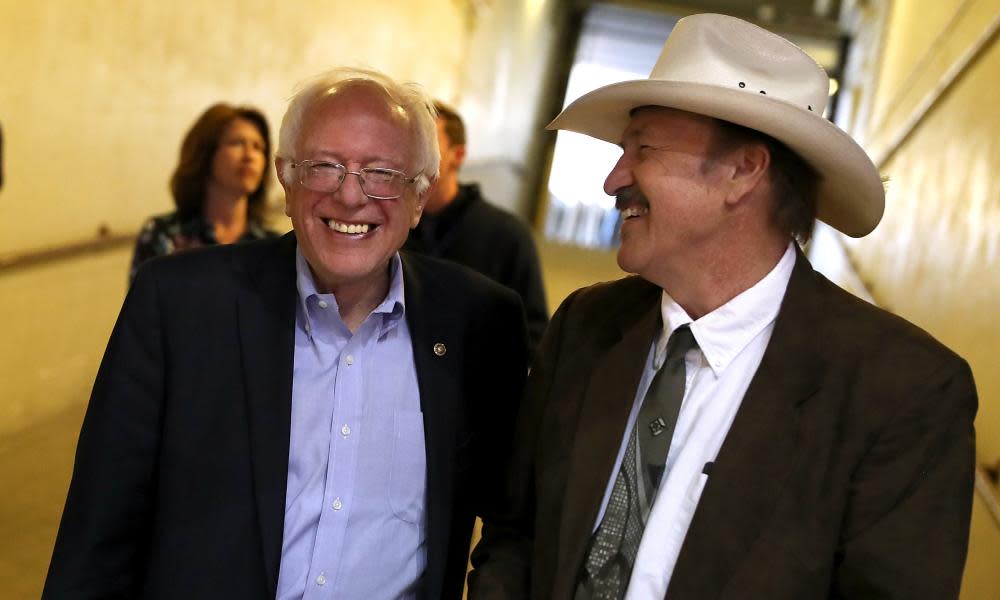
(723,67)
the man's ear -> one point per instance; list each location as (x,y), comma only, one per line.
(750,163)
(279,169)
(421,202)
(459,153)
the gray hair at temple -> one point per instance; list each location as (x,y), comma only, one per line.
(410,97)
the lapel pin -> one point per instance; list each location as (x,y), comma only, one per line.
(440,349)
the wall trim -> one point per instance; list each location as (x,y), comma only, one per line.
(988,491)
(882,152)
(36,257)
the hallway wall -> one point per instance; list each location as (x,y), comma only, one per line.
(94,100)
(934,131)
(96,97)
(935,258)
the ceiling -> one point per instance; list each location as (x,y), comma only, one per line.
(811,18)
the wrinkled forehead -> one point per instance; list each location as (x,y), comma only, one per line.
(363,107)
(651,123)
(359,97)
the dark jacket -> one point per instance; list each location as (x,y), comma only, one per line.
(483,237)
(179,485)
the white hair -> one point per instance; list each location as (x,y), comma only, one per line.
(410,97)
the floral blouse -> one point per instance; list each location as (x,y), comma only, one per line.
(166,234)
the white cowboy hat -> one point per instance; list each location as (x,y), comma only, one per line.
(723,67)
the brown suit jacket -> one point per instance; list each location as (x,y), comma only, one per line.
(847,473)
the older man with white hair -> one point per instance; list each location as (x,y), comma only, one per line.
(728,423)
(316,416)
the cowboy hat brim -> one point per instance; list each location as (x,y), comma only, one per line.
(851,197)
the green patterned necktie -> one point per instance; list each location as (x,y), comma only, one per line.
(613,547)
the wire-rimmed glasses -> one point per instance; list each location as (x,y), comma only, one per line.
(378,183)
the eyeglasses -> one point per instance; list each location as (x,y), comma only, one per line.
(376,182)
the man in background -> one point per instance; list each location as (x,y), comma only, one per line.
(459,225)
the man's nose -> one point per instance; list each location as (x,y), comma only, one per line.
(620,177)
(350,191)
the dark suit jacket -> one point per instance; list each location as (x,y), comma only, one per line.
(494,242)
(847,473)
(179,485)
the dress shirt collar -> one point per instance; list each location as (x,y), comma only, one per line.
(392,307)
(723,333)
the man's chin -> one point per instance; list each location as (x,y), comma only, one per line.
(626,262)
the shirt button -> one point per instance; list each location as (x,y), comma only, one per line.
(349,360)
(323,304)
(345,430)
(337,504)
(321,580)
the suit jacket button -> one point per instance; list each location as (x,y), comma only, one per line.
(440,349)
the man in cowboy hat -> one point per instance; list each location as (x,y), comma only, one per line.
(730,424)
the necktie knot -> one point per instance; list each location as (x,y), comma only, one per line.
(681,340)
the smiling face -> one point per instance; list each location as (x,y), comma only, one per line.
(671,194)
(239,161)
(357,127)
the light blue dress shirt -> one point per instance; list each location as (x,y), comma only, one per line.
(354,507)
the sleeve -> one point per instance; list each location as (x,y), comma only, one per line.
(501,562)
(100,548)
(501,373)
(145,248)
(905,534)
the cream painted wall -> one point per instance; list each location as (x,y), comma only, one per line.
(95,100)
(909,41)
(935,258)
(509,52)
(981,580)
(56,320)
(96,96)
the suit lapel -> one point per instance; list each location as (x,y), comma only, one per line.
(438,379)
(602,420)
(267,337)
(759,452)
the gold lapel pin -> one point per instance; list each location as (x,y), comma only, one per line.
(440,349)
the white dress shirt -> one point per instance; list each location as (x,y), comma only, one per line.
(731,342)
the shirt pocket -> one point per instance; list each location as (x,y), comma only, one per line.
(408,469)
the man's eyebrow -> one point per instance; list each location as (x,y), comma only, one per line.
(629,136)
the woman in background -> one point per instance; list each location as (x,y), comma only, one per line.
(219,186)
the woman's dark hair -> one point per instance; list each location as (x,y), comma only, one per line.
(190,178)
